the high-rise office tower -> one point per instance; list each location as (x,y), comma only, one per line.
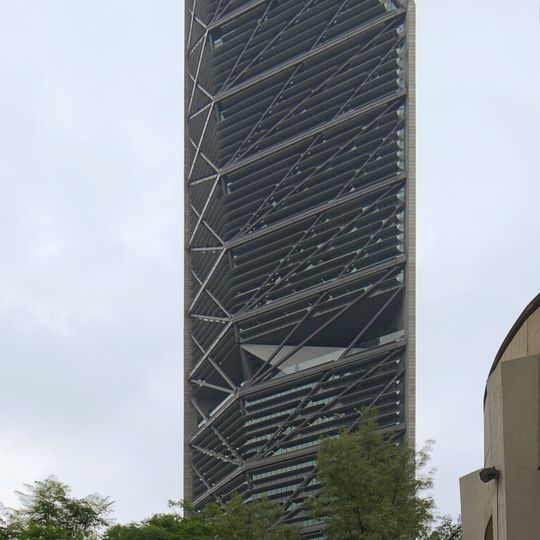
(300,261)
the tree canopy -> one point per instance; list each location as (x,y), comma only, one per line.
(169,526)
(237,520)
(371,489)
(254,520)
(446,530)
(49,512)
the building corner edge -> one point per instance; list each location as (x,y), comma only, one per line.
(410,217)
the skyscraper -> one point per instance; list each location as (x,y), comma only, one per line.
(300,254)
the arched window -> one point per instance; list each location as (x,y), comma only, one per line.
(488,535)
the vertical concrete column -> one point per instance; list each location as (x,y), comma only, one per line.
(521,479)
(410,227)
(188,417)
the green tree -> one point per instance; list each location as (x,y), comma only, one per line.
(253,520)
(446,530)
(49,512)
(371,487)
(237,520)
(170,526)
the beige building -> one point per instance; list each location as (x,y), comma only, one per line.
(502,500)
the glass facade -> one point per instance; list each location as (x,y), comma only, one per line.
(299,284)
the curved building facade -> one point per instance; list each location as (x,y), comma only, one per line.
(501,500)
(300,256)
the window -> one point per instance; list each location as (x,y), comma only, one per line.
(216,36)
(488,535)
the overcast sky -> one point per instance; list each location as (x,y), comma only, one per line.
(90,235)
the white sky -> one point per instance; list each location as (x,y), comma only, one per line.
(90,235)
